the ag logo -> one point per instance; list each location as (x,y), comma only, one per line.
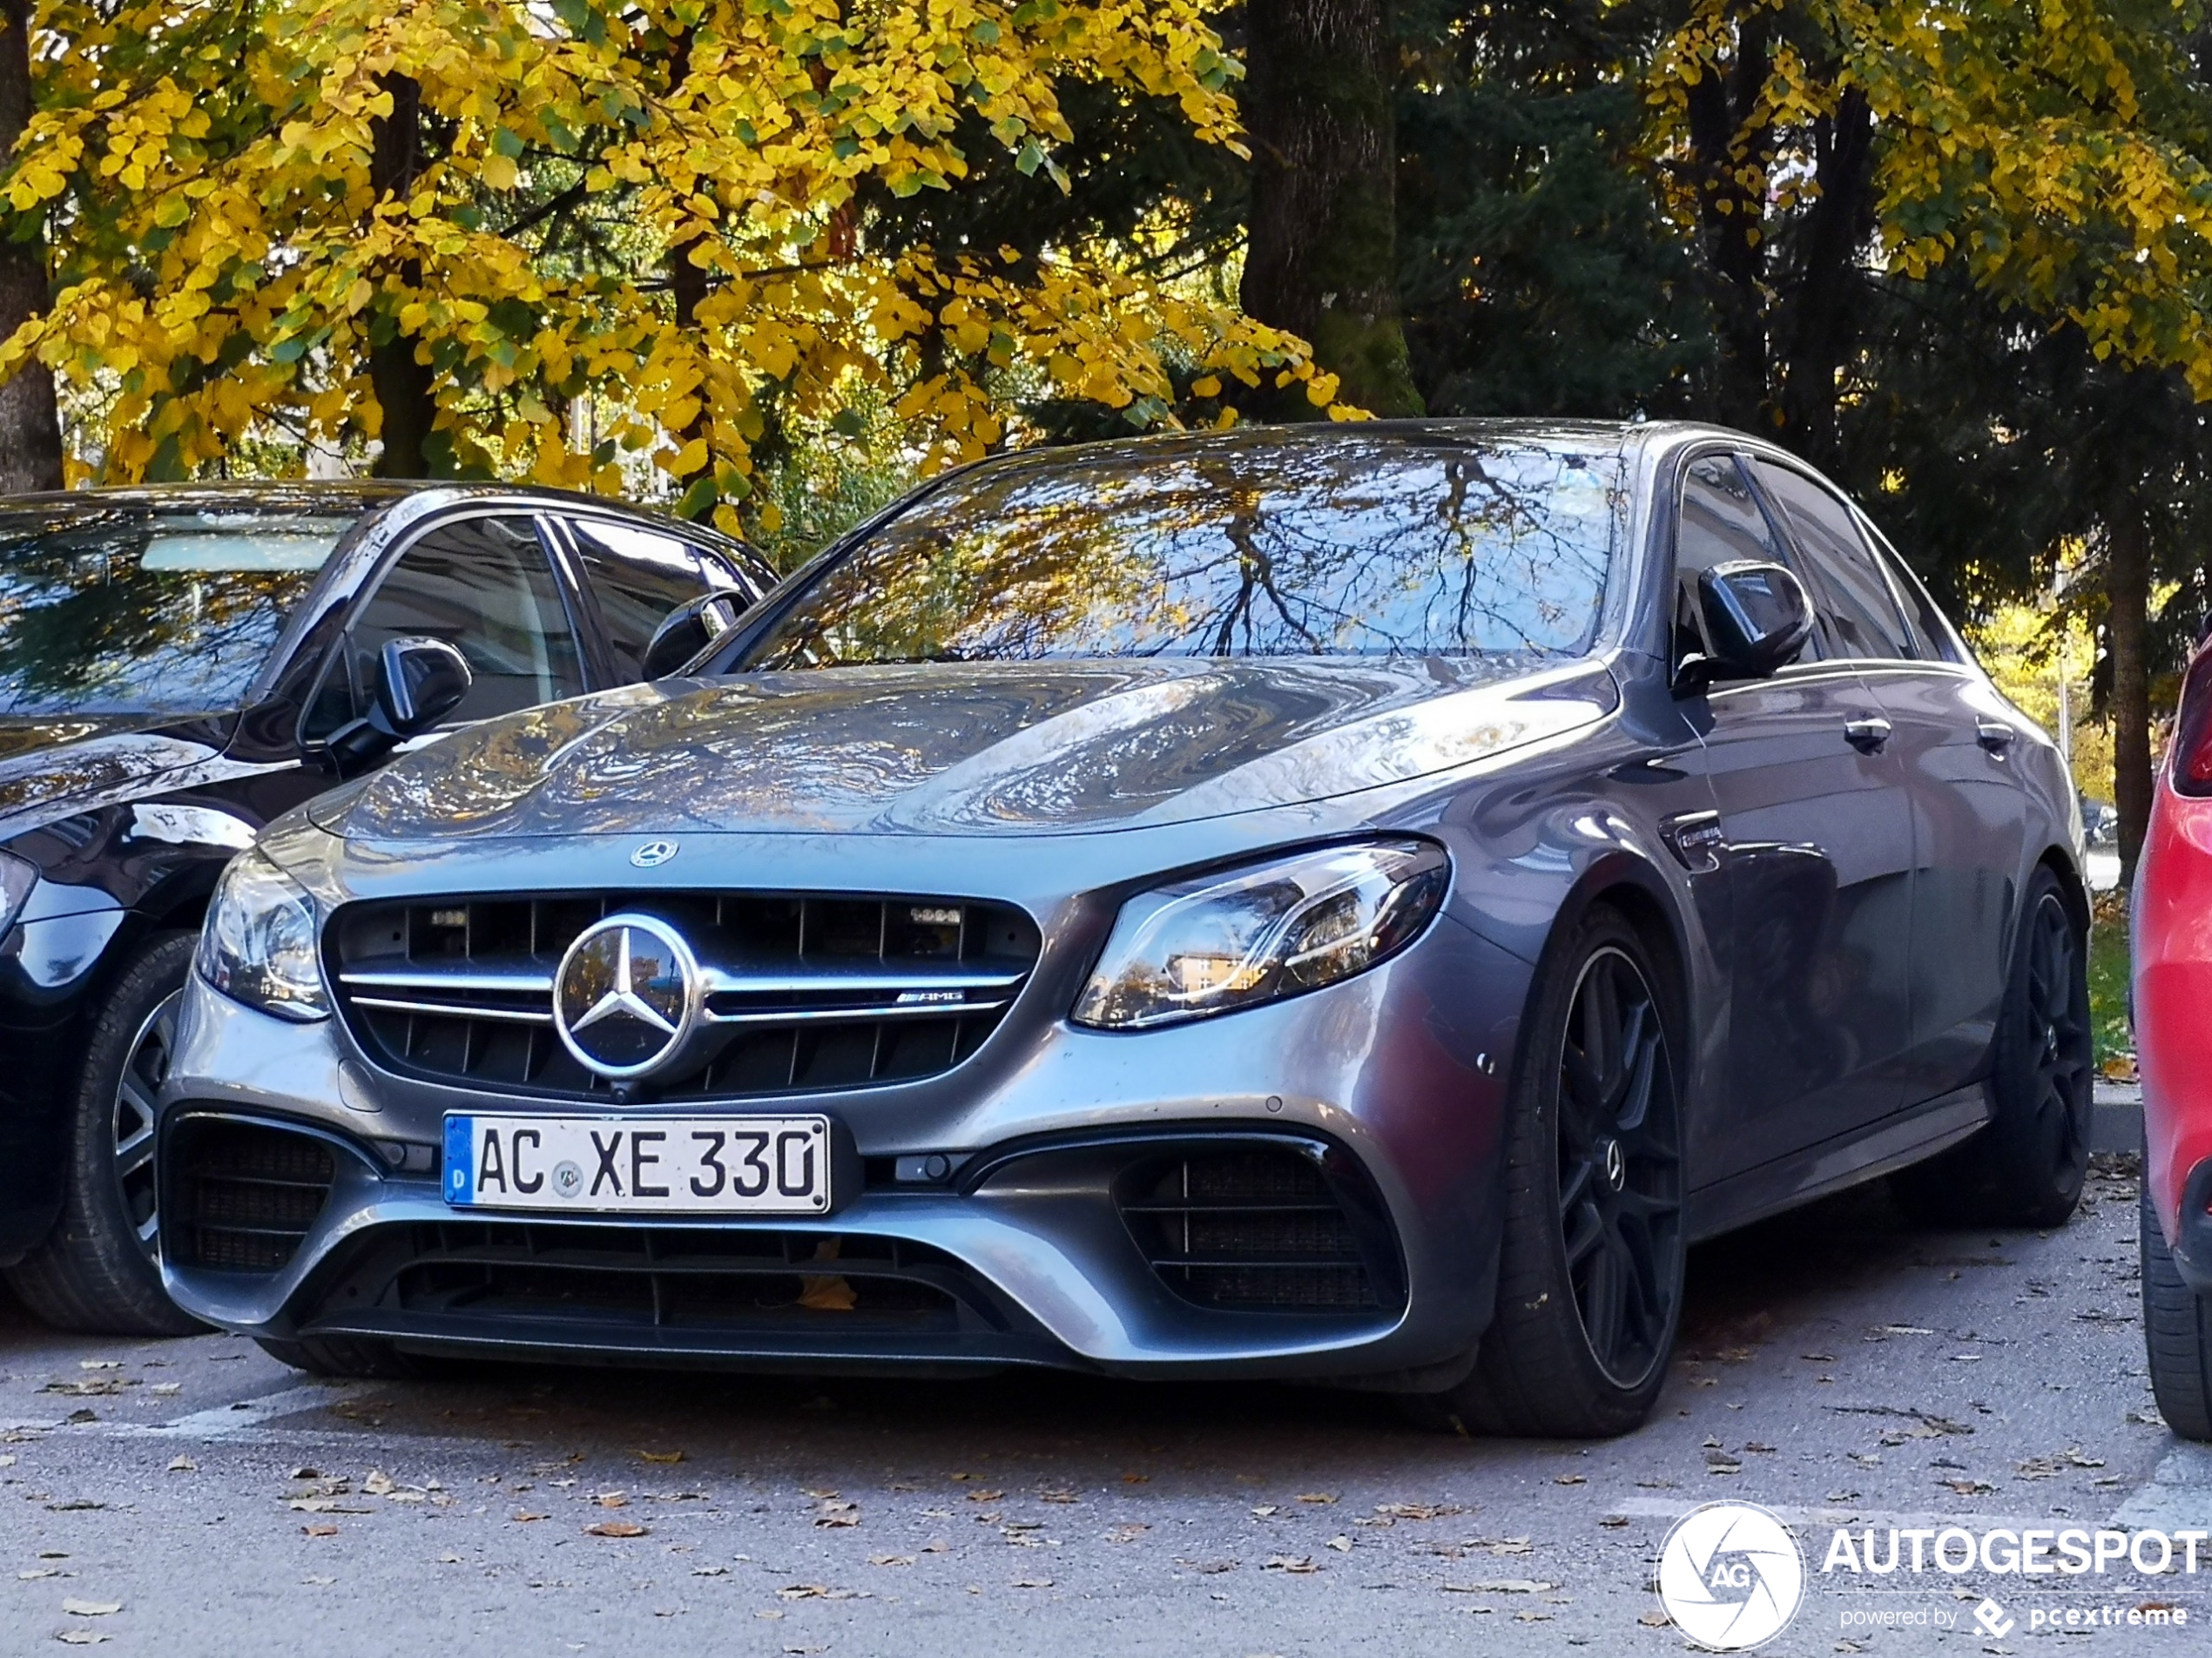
(1730,1576)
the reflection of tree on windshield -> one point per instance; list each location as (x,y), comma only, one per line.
(1333,544)
(86,629)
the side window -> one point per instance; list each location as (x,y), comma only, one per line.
(484,586)
(1931,633)
(1721,522)
(1860,607)
(639,575)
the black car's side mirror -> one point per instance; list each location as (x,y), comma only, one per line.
(419,682)
(1756,618)
(688,630)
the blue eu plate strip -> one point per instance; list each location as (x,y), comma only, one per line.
(461,1150)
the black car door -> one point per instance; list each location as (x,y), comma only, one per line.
(1814,846)
(1955,736)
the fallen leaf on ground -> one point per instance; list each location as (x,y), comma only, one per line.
(1300,1564)
(1342,1545)
(1137,1479)
(182,1465)
(81,1637)
(1033,1583)
(320,1531)
(1655,1619)
(837,1514)
(891,1560)
(319,1581)
(616,1528)
(1417,1510)
(523,1519)
(662,1456)
(1317,1496)
(710,1570)
(803,1592)
(1569,1480)
(376,1482)
(1059,1497)
(90,1609)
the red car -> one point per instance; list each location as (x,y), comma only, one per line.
(2173,1004)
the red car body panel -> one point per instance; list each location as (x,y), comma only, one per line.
(2171,921)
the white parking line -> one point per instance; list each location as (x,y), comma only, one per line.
(2179,1494)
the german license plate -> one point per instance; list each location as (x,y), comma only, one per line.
(640,1165)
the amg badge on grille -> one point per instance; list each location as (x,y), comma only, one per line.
(627,995)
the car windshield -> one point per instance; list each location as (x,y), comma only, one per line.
(132,611)
(1330,543)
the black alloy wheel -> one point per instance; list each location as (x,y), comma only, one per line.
(1620,1169)
(99,1269)
(1592,1246)
(2026,1167)
(145,1067)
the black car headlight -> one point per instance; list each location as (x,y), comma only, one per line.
(1239,937)
(258,946)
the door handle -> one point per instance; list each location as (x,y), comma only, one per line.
(1868,733)
(1994,735)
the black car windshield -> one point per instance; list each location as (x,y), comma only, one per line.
(132,611)
(1331,543)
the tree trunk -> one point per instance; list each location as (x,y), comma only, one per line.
(1321,254)
(2127,609)
(403,385)
(1823,325)
(1731,156)
(31,431)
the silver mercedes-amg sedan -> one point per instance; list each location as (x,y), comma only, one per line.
(1349,903)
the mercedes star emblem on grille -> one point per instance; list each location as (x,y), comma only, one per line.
(627,995)
(653,854)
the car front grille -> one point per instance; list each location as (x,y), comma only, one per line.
(243,1194)
(1261,1229)
(804,992)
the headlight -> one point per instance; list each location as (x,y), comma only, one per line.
(1231,939)
(258,944)
(17,879)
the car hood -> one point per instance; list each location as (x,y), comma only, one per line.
(969,748)
(67,761)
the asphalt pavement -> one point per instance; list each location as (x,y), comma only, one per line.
(1838,1367)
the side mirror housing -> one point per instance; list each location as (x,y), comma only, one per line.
(419,682)
(687,631)
(1756,617)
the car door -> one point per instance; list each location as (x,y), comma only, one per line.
(636,575)
(1814,845)
(1956,737)
(484,583)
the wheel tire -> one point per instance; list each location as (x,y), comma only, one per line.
(351,1358)
(98,1270)
(2025,1168)
(2177,1332)
(1590,1278)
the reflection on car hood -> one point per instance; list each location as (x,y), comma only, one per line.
(969,748)
(50,762)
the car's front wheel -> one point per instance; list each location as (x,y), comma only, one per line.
(1590,1278)
(98,1270)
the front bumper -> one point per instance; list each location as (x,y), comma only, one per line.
(1023,1254)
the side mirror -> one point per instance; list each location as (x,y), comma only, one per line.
(689,629)
(1756,618)
(419,682)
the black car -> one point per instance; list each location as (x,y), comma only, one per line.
(1343,903)
(179,665)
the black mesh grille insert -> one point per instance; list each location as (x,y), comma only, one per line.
(1255,1229)
(642,1278)
(243,1194)
(804,992)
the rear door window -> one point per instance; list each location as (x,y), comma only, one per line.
(639,575)
(1860,605)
